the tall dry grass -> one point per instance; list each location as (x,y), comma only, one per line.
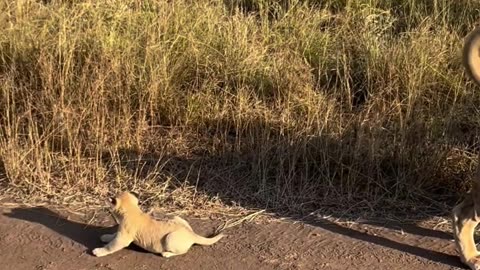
(281,104)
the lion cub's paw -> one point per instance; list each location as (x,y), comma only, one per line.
(99,252)
(167,254)
(474,263)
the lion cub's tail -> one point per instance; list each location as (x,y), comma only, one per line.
(204,241)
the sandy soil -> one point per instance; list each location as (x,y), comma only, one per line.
(40,238)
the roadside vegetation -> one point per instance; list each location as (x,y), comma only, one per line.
(287,105)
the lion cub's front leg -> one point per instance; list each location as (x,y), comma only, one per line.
(120,241)
(465,220)
(105,238)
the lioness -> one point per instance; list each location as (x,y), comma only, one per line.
(169,238)
(466,215)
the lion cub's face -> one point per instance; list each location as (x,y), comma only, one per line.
(123,202)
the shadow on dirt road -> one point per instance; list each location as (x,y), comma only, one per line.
(308,244)
(89,236)
(430,245)
(425,243)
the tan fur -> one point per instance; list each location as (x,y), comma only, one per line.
(466,215)
(169,238)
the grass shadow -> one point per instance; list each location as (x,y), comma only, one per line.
(431,255)
(232,176)
(213,182)
(412,228)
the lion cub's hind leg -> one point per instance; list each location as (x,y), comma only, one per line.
(177,243)
(464,223)
(183,222)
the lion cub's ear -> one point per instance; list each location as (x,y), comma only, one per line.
(135,194)
(113,201)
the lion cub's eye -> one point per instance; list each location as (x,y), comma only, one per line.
(113,201)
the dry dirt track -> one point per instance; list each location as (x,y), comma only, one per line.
(38,238)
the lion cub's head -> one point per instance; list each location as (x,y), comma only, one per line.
(124,202)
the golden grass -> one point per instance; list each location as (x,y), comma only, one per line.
(268,104)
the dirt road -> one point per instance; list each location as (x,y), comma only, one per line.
(38,238)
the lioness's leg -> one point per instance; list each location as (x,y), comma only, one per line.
(107,237)
(466,216)
(464,222)
(119,242)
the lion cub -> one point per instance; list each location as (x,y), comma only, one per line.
(169,238)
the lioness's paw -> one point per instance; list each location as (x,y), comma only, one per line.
(99,252)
